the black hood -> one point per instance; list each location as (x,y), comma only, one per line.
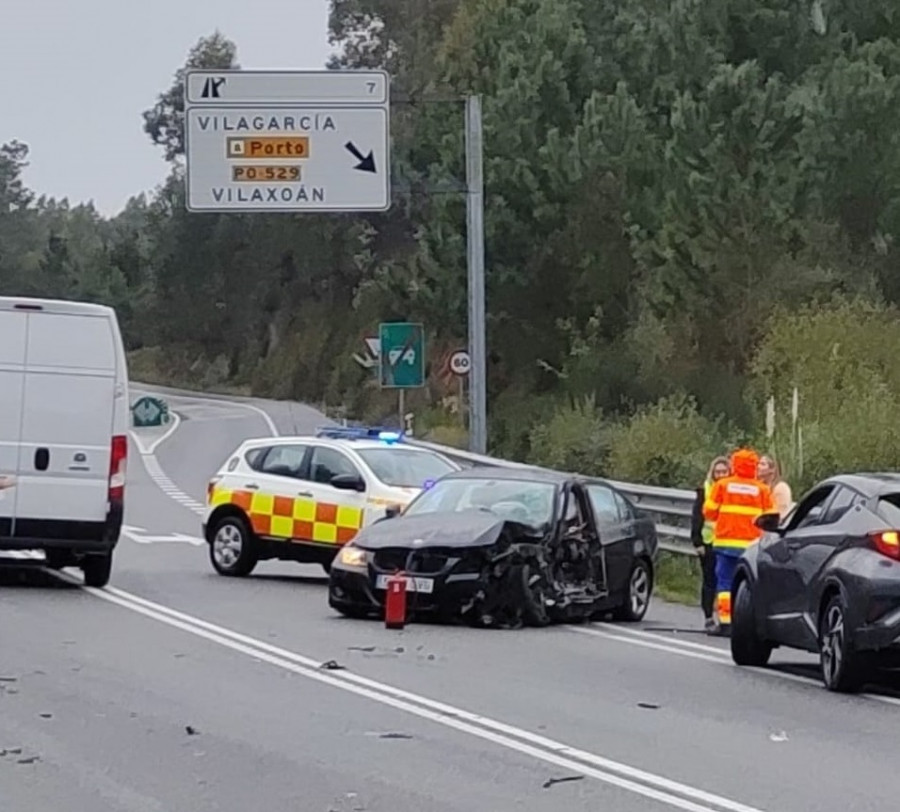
(471,528)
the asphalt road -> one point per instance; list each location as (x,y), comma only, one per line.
(175,689)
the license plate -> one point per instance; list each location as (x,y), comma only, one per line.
(424,585)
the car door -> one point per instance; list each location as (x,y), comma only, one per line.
(12,384)
(281,498)
(339,513)
(617,534)
(781,582)
(810,548)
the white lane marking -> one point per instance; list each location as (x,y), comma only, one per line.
(167,538)
(156,473)
(721,657)
(553,752)
(273,429)
(151,449)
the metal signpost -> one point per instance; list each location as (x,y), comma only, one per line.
(475,253)
(402,359)
(287,141)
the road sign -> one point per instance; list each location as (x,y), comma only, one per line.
(459,363)
(148,411)
(402,355)
(287,141)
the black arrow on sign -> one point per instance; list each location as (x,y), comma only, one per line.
(366,164)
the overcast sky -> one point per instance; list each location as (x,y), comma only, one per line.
(75,76)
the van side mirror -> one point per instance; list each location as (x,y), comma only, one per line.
(391,511)
(348,482)
(768,522)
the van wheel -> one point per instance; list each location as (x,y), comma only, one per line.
(97,569)
(233,550)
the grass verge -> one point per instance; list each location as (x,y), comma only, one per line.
(678,578)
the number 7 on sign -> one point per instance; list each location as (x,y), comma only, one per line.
(371,86)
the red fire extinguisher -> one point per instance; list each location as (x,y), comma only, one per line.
(395,602)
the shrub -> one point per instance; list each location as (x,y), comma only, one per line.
(573,439)
(668,443)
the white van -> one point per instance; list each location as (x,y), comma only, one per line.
(64,418)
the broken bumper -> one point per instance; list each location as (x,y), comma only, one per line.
(361,590)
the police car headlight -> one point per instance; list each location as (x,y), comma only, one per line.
(352,556)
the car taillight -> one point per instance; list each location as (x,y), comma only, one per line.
(887,542)
(210,487)
(117,458)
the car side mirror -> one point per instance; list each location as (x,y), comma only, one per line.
(348,482)
(392,511)
(769,522)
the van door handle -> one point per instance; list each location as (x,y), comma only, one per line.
(251,486)
(42,459)
(307,494)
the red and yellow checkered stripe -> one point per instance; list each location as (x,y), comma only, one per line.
(285,517)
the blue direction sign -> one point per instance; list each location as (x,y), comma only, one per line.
(148,411)
(401,355)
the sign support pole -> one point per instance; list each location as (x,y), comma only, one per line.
(401,407)
(475,257)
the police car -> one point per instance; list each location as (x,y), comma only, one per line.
(301,498)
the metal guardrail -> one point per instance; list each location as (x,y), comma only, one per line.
(670,508)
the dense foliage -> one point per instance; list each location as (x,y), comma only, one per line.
(691,208)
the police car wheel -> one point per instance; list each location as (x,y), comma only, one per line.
(233,547)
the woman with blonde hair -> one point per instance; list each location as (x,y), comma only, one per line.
(770,473)
(702,537)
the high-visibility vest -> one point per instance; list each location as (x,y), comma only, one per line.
(708,526)
(733,504)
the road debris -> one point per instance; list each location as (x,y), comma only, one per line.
(9,679)
(191,731)
(361,648)
(551,781)
(46,716)
(648,705)
(332,665)
(388,735)
(28,760)
(778,737)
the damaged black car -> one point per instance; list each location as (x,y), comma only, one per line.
(504,547)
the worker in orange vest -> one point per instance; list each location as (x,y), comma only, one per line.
(733,504)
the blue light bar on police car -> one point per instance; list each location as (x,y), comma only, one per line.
(360,433)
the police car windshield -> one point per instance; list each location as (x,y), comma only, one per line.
(403,467)
(520,500)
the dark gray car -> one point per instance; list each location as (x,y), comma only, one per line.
(825,580)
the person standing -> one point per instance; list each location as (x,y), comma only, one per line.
(734,503)
(702,537)
(770,473)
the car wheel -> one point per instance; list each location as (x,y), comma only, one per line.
(843,668)
(747,647)
(535,596)
(233,548)
(97,569)
(640,588)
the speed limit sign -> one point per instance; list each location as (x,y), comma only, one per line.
(459,363)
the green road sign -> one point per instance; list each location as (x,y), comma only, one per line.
(401,355)
(149,411)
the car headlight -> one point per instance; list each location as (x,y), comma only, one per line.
(353,556)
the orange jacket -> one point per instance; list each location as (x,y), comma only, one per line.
(735,501)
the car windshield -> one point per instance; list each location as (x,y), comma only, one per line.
(404,467)
(521,500)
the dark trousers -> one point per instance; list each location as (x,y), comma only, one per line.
(708,589)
